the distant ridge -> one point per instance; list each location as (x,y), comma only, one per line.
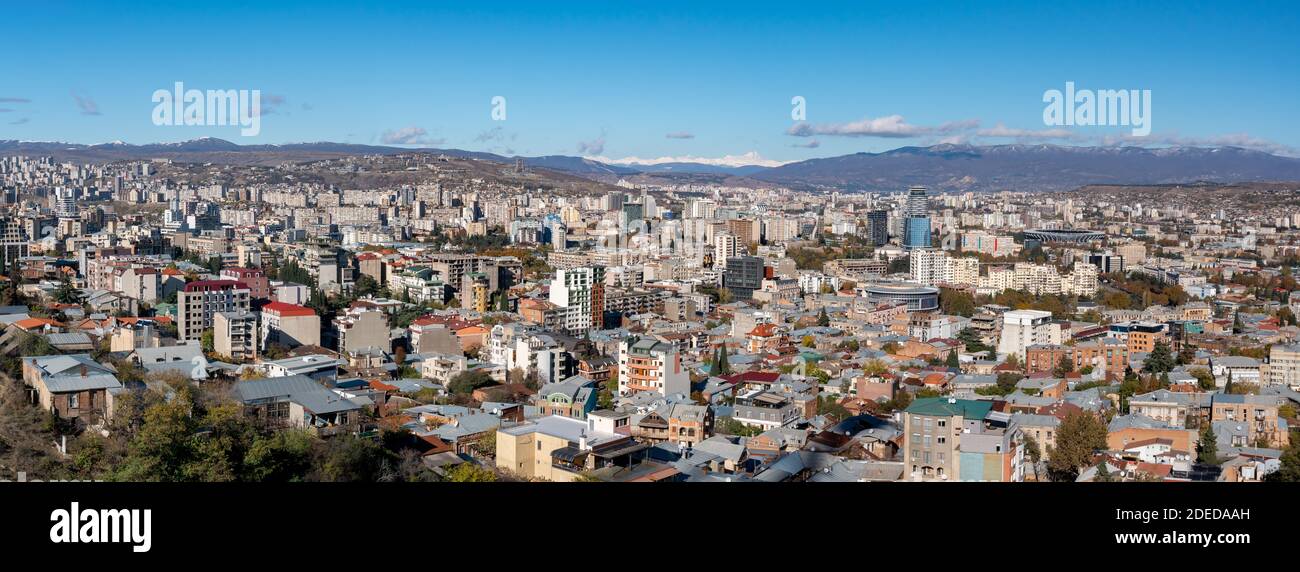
(1032,167)
(941,167)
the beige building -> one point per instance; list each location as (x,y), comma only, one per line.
(1284,366)
(358,330)
(556,448)
(234,334)
(289,325)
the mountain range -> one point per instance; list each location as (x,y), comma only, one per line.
(943,167)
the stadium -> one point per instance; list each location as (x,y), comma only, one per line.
(1065,235)
(918,298)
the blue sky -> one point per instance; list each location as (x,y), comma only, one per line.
(615,79)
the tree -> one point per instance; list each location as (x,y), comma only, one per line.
(469,473)
(1204,378)
(956,302)
(822,319)
(1160,360)
(809,341)
(282,456)
(348,458)
(952,360)
(1033,450)
(466,382)
(721,365)
(365,286)
(1289,472)
(160,449)
(68,294)
(1207,447)
(1078,437)
(1013,360)
(206,340)
(1063,367)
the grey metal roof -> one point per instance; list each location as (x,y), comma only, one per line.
(299,389)
(70,383)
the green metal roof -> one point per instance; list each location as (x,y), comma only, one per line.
(944,406)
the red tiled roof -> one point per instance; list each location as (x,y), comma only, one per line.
(287,309)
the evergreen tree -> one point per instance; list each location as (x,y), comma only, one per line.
(723,367)
(952,359)
(1160,360)
(1207,448)
(823,319)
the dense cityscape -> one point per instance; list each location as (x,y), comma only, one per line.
(418,316)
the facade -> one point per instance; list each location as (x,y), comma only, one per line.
(930,266)
(259,286)
(1022,329)
(916,225)
(1258,415)
(358,330)
(556,448)
(574,397)
(917,298)
(960,439)
(235,334)
(289,325)
(743,276)
(71,386)
(645,364)
(1284,365)
(581,294)
(200,301)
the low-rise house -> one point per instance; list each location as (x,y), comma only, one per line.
(562,449)
(72,386)
(574,397)
(300,401)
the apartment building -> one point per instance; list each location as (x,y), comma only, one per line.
(198,302)
(1024,328)
(646,364)
(946,438)
(259,286)
(581,293)
(289,325)
(1258,415)
(234,335)
(1284,366)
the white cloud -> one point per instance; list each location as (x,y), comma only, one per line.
(408,136)
(889,126)
(1001,130)
(86,104)
(594,147)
